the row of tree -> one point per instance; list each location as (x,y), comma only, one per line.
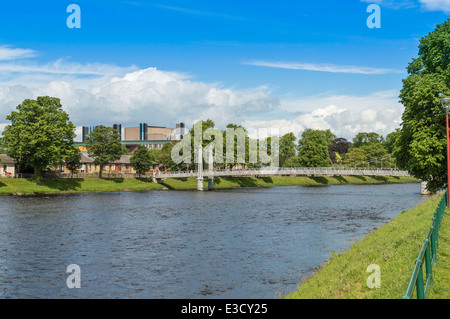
(321,148)
(315,148)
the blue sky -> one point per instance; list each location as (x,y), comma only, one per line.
(286,64)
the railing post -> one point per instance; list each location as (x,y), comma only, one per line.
(428,263)
(433,241)
(437,227)
(419,281)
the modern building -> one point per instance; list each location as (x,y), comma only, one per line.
(86,130)
(144,134)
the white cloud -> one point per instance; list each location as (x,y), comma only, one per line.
(147,95)
(323,67)
(427,5)
(9,53)
(63,67)
(378,100)
(393,4)
(436,5)
(345,116)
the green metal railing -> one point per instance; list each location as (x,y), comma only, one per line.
(427,253)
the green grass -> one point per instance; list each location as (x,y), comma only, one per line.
(24,186)
(394,247)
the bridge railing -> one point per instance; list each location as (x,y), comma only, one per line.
(288,171)
(428,254)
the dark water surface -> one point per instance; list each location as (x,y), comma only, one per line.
(238,243)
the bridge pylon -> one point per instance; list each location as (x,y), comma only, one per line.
(200,169)
(210,169)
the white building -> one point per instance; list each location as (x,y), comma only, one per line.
(7,166)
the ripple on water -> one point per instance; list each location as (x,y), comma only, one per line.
(239,243)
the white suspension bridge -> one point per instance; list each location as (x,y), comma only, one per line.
(210,173)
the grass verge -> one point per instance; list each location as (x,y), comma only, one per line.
(394,248)
(24,186)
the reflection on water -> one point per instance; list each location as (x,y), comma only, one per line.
(238,243)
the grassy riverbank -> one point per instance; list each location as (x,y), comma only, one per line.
(394,247)
(75,185)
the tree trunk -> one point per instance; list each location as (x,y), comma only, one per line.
(37,171)
(101,171)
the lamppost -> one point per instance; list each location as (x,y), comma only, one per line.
(446,105)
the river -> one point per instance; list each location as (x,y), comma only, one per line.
(236,243)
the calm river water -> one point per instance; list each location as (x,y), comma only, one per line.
(238,243)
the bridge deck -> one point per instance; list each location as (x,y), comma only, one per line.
(298,171)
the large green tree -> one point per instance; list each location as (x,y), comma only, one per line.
(165,158)
(73,160)
(40,135)
(374,151)
(390,140)
(421,146)
(200,127)
(287,148)
(329,136)
(141,160)
(313,149)
(2,148)
(235,146)
(104,146)
(355,157)
(366,138)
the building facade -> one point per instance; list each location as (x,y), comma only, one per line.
(7,166)
(144,134)
(122,165)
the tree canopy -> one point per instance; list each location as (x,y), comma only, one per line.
(313,149)
(287,148)
(141,160)
(390,140)
(40,135)
(355,157)
(104,146)
(339,147)
(73,160)
(421,145)
(366,138)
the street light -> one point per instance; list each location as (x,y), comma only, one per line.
(446,105)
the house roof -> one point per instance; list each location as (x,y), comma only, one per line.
(124,159)
(7,159)
(86,159)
